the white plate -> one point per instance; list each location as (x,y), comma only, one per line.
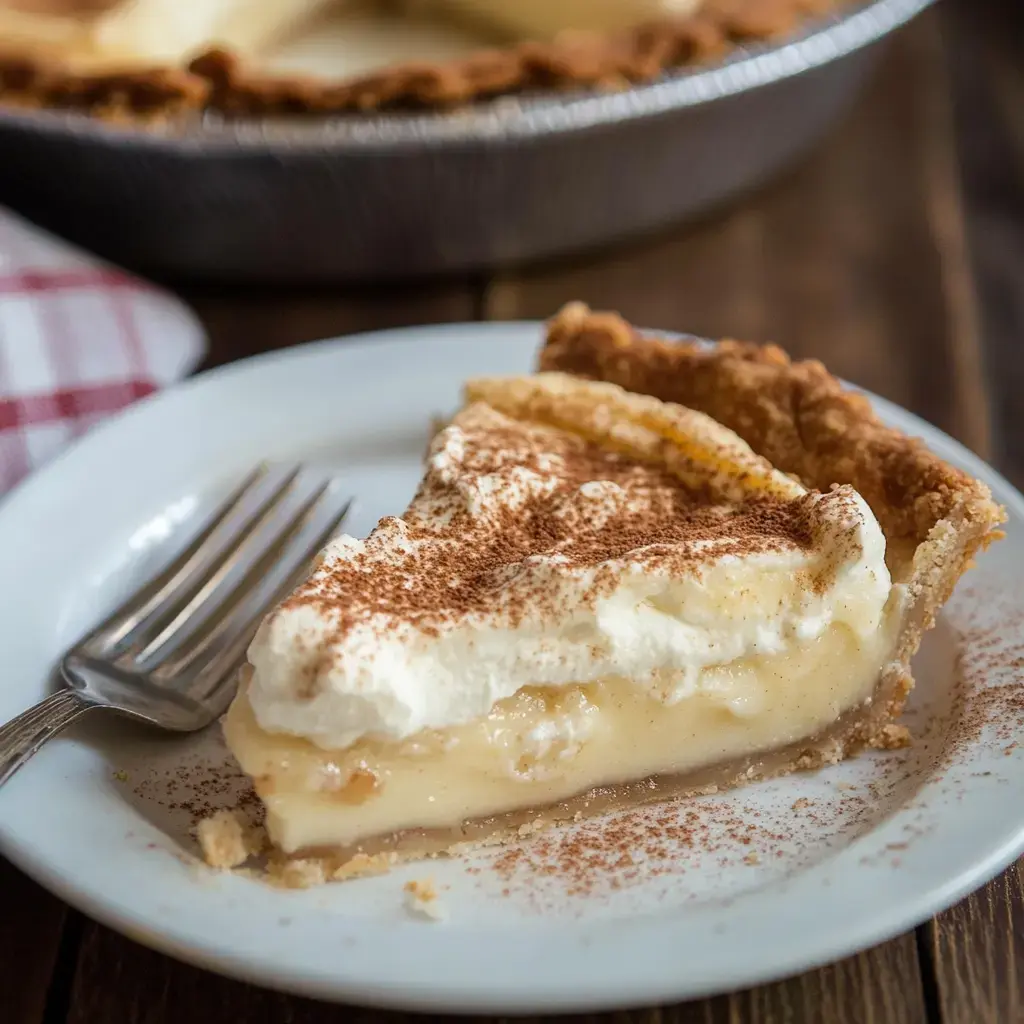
(747,889)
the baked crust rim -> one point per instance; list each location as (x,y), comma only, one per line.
(218,81)
(808,424)
(797,415)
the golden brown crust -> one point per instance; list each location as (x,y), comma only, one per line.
(218,81)
(150,94)
(797,415)
(801,419)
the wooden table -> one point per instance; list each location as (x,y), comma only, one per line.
(896,254)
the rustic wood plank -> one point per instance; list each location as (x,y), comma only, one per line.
(975,951)
(986,42)
(855,257)
(880,986)
(30,934)
(244,322)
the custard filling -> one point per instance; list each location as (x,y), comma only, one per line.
(544,745)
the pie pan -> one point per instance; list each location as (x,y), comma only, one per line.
(401,195)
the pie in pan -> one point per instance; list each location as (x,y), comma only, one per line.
(649,570)
(165,58)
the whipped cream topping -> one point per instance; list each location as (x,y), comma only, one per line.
(532,557)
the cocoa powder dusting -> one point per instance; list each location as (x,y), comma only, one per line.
(979,709)
(990,664)
(501,495)
(626,848)
(772,827)
(662,845)
(199,792)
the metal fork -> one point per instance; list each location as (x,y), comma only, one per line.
(168,655)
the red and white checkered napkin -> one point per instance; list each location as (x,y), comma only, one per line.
(79,340)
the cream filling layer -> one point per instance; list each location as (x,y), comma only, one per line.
(542,746)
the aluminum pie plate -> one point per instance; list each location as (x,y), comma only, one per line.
(363,198)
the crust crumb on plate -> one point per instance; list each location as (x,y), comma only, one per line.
(421,899)
(227,840)
(305,872)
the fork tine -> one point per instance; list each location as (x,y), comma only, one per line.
(112,628)
(166,609)
(222,585)
(269,580)
(219,671)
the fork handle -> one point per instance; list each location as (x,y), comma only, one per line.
(23,736)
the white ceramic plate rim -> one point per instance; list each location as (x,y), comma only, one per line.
(605,966)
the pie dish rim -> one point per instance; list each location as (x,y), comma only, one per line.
(169,103)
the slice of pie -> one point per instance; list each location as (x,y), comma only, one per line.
(599,598)
(155,57)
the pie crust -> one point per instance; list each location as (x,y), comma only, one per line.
(806,423)
(219,81)
(935,517)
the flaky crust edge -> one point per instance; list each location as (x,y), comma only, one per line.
(805,422)
(219,81)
